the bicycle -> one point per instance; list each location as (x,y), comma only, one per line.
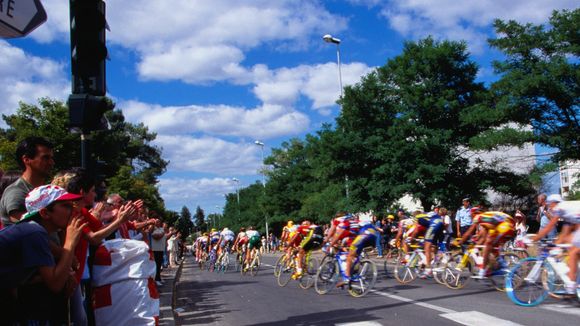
(253,266)
(211,260)
(462,267)
(534,278)
(223,260)
(364,275)
(407,270)
(288,268)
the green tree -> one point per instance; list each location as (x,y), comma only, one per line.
(184,223)
(539,85)
(199,218)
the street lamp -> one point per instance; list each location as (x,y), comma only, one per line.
(237,181)
(218,216)
(333,40)
(329,39)
(261,144)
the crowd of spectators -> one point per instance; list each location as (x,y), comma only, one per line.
(49,232)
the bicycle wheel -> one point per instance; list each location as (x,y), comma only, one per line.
(457,277)
(279,263)
(364,278)
(307,280)
(326,277)
(439,268)
(225,263)
(242,263)
(553,283)
(403,273)
(524,285)
(286,272)
(255,265)
(497,278)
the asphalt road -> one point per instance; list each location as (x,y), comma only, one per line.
(206,298)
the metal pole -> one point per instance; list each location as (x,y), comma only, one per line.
(339,67)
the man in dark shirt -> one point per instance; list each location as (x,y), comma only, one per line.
(28,271)
(35,157)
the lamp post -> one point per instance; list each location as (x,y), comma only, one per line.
(237,181)
(333,40)
(261,144)
(218,216)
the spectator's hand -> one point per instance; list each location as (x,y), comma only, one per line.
(126,211)
(74,230)
(138,203)
(98,209)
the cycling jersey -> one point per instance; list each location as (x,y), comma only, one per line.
(499,225)
(313,235)
(434,232)
(228,235)
(365,238)
(215,236)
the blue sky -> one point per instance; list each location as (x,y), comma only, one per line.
(211,77)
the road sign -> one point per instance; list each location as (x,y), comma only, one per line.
(20,17)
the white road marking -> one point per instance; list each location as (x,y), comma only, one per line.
(476,318)
(472,318)
(562,308)
(360,323)
(415,302)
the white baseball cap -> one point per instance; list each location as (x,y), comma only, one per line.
(554,198)
(41,197)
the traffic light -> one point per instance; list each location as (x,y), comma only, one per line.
(87,112)
(88,47)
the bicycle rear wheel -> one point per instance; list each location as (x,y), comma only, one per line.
(364,278)
(326,277)
(286,272)
(255,265)
(439,269)
(524,285)
(307,280)
(403,273)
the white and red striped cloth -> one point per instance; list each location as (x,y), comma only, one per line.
(124,291)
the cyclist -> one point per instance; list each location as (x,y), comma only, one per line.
(254,244)
(346,228)
(241,241)
(404,228)
(569,212)
(311,235)
(226,239)
(286,230)
(496,229)
(202,244)
(433,235)
(366,237)
(422,222)
(214,239)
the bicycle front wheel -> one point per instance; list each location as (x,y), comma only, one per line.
(524,283)
(286,272)
(326,277)
(279,263)
(455,275)
(364,278)
(403,273)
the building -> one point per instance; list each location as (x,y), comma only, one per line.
(569,177)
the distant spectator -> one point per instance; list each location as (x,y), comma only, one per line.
(463,217)
(447,226)
(158,244)
(7,179)
(35,157)
(543,218)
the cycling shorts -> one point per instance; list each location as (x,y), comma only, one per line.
(255,242)
(362,241)
(502,233)
(312,241)
(243,241)
(225,242)
(435,231)
(420,230)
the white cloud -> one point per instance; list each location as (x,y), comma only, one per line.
(182,190)
(264,122)
(209,155)
(26,78)
(467,20)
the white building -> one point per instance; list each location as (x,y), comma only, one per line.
(569,175)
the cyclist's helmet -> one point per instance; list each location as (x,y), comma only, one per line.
(226,230)
(305,223)
(390,217)
(213,230)
(476,210)
(290,224)
(242,229)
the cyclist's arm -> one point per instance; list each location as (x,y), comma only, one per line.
(468,233)
(543,232)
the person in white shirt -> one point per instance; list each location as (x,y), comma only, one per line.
(158,243)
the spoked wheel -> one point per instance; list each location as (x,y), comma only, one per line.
(403,273)
(286,272)
(440,268)
(456,276)
(307,280)
(497,278)
(524,283)
(279,263)
(243,264)
(225,263)
(364,278)
(255,265)
(326,277)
